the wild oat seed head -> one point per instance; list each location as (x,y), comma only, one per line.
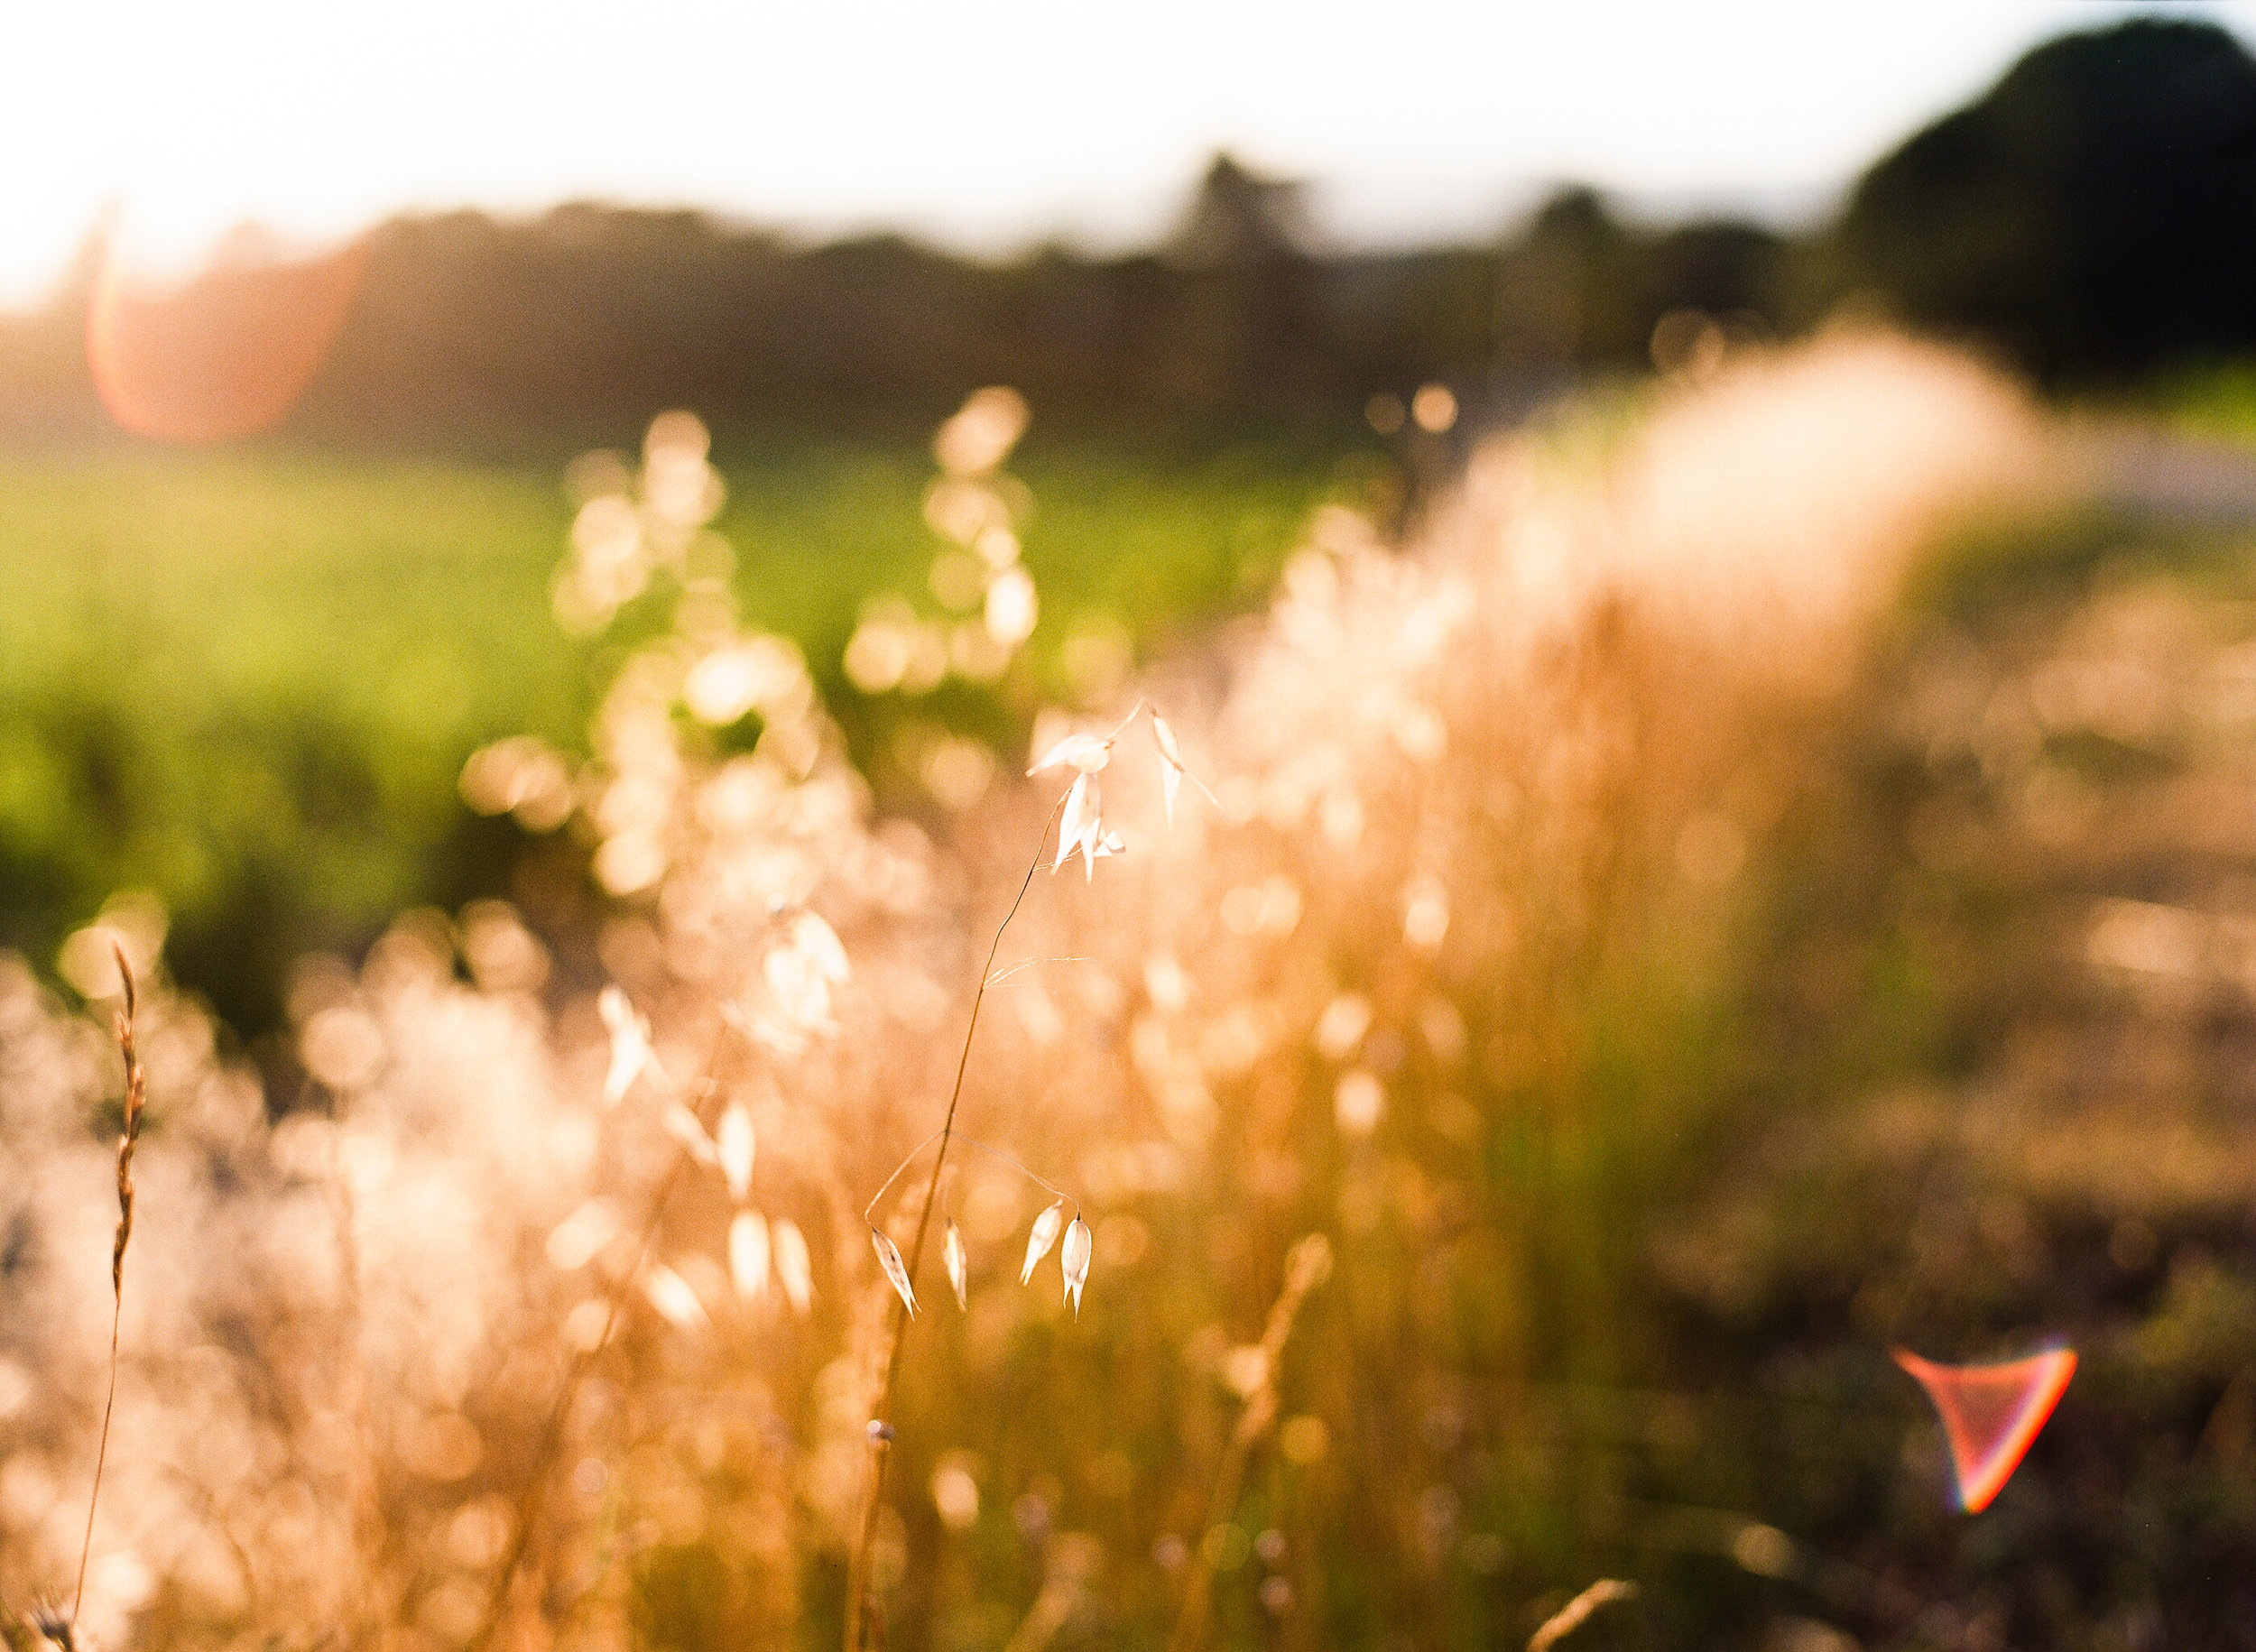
(792,1271)
(818,943)
(1172,771)
(1081,827)
(674,1298)
(896,1270)
(682,1125)
(735,1144)
(958,1266)
(1164,736)
(1073,1259)
(1087,752)
(1073,822)
(629,1043)
(750,1255)
(1045,1234)
(126,975)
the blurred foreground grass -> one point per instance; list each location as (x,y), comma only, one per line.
(247,682)
(1652,1028)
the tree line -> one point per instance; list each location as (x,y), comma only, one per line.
(2092,218)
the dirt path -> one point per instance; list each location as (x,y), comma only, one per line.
(2007,1093)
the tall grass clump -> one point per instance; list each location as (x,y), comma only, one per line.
(128,1138)
(546,1311)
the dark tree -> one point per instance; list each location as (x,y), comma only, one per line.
(2094,213)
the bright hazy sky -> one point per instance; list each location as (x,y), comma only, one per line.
(986,125)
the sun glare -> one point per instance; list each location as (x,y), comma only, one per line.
(319,120)
(224,354)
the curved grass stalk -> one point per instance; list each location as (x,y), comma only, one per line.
(136,1096)
(857,1602)
(1306,1266)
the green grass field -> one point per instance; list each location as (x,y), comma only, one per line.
(246,682)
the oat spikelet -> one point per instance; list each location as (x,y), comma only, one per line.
(750,1255)
(1086,753)
(1045,1234)
(896,1270)
(674,1298)
(791,1263)
(958,1265)
(736,1145)
(1172,773)
(137,1095)
(684,1127)
(1074,824)
(630,1044)
(1073,1259)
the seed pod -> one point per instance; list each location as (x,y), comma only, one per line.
(749,1254)
(629,1043)
(896,1270)
(1171,762)
(958,1268)
(682,1125)
(1172,773)
(1045,1234)
(1087,752)
(1071,827)
(736,1143)
(1073,1258)
(819,944)
(1092,827)
(670,1295)
(791,1262)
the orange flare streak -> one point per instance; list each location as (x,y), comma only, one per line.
(1992,1414)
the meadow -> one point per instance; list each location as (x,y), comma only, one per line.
(1744,882)
(244,682)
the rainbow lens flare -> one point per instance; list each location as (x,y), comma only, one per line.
(1991,1413)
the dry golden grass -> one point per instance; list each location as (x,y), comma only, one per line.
(479,1333)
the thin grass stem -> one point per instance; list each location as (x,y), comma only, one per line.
(869,1210)
(135,1098)
(1306,1266)
(1009,970)
(857,1565)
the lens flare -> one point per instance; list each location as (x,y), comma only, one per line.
(1992,1414)
(224,355)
